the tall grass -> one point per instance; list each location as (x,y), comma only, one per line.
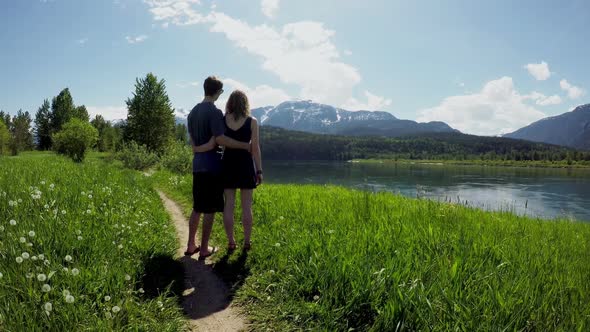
(329,258)
(76,242)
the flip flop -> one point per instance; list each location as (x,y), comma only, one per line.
(189,253)
(203,257)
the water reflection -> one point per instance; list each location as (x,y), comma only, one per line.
(542,192)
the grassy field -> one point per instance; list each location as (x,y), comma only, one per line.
(478,162)
(329,258)
(80,246)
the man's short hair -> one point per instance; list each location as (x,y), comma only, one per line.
(212,85)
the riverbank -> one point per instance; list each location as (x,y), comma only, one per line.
(495,163)
(331,258)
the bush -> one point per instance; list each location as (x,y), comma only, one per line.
(137,156)
(75,138)
(178,158)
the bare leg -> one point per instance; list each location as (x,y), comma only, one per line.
(246,195)
(193,225)
(228,215)
(208,219)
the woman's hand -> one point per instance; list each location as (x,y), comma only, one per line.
(259,178)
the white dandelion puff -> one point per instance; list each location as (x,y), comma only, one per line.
(68,258)
(22,239)
(70,299)
(75,271)
(29,244)
(1,228)
(48,306)
(25,255)
(109,315)
(41,277)
(107,298)
(141,290)
(80,238)
(116,309)
(66,269)
(12,222)
(316,297)
(33,258)
(65,292)
(127,277)
(29,275)
(32,233)
(41,256)
(63,211)
(19,259)
(46,288)
(1,275)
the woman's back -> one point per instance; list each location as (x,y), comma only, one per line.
(238,165)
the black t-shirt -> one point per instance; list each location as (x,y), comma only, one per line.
(205,121)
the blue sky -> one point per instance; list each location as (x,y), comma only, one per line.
(484,67)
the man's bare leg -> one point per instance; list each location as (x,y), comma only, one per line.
(193,225)
(208,219)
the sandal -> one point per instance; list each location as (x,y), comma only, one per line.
(247,246)
(190,253)
(232,247)
(203,257)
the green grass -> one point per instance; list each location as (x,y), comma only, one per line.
(479,162)
(91,230)
(329,258)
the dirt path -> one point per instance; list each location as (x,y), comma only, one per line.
(206,299)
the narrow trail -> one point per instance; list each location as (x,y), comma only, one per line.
(206,298)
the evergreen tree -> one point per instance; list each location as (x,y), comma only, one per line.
(4,137)
(181,132)
(62,110)
(150,116)
(22,138)
(43,126)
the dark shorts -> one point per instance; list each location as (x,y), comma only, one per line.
(207,192)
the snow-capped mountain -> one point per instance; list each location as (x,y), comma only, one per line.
(320,118)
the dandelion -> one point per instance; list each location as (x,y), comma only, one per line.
(48,306)
(33,258)
(316,297)
(331,231)
(109,315)
(51,186)
(107,298)
(32,233)
(63,211)
(83,194)
(46,262)
(70,299)
(1,275)
(80,238)
(43,183)
(41,256)
(120,246)
(25,255)
(90,196)
(277,244)
(29,244)
(78,232)
(46,206)
(19,259)
(127,277)
(11,203)
(1,228)
(41,277)
(116,309)
(68,258)
(66,270)
(141,290)
(29,275)
(160,304)
(75,272)
(22,239)
(20,200)
(65,292)
(46,288)
(88,212)
(12,222)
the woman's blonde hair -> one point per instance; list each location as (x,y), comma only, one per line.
(238,105)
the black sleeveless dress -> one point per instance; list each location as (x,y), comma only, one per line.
(237,164)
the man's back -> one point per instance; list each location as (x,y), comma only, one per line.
(205,121)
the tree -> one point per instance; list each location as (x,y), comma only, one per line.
(75,138)
(43,126)
(5,117)
(181,132)
(81,113)
(108,136)
(4,138)
(62,110)
(22,139)
(150,116)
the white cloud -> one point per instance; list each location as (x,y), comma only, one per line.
(258,96)
(497,109)
(269,7)
(542,100)
(108,112)
(373,103)
(300,53)
(82,41)
(135,40)
(573,92)
(540,71)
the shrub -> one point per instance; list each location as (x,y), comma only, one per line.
(75,138)
(178,158)
(137,156)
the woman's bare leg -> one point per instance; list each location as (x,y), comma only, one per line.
(228,215)
(246,195)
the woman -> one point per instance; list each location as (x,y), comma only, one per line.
(240,169)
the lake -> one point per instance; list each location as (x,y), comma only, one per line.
(537,192)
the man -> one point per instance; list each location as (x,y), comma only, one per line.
(204,122)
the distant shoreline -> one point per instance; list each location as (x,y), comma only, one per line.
(499,163)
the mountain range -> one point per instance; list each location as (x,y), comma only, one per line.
(325,119)
(570,129)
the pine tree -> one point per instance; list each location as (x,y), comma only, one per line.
(150,116)
(43,126)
